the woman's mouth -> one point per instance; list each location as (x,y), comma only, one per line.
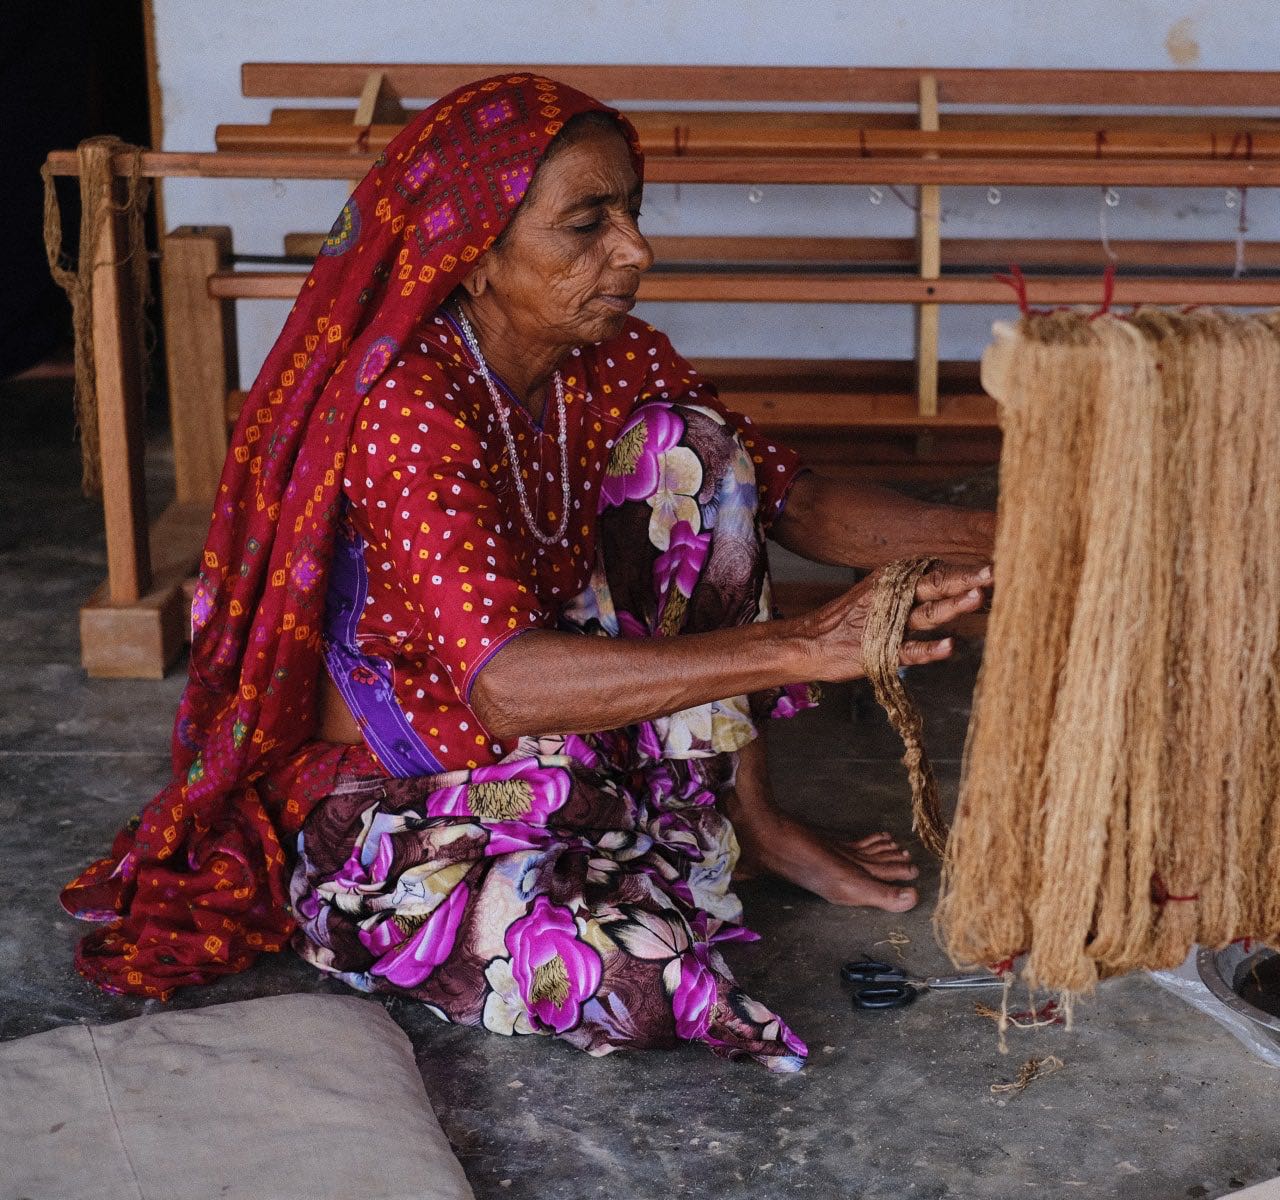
(618,303)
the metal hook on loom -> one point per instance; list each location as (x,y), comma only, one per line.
(1242,229)
(1109,198)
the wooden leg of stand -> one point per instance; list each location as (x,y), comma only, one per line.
(199,334)
(131,627)
(929,240)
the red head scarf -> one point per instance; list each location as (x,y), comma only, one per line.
(198,885)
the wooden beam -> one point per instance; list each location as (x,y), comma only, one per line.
(120,401)
(1142,89)
(956,252)
(1011,172)
(1228,127)
(794,287)
(200,349)
(810,395)
(720,135)
(929,248)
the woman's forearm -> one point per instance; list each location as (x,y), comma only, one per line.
(551,682)
(859,525)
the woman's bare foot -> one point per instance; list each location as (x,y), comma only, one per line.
(866,871)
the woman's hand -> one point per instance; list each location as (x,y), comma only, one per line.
(943,593)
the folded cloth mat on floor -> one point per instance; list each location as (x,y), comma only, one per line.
(269,1099)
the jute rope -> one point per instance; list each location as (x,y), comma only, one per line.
(892,598)
(97,207)
(1117,802)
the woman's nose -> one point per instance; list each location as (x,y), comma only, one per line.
(631,248)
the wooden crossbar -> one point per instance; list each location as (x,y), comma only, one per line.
(890,85)
(1011,172)
(692,135)
(811,287)
(993,253)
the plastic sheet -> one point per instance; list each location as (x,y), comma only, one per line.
(1185,981)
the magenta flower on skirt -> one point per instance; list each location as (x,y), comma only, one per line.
(682,560)
(409,963)
(651,431)
(694,996)
(524,790)
(555,972)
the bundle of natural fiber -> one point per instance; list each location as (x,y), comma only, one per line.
(98,206)
(1116,803)
(892,598)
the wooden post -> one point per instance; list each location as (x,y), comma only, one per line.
(929,240)
(118,381)
(131,627)
(200,348)
(379,103)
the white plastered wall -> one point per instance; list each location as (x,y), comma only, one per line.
(200,46)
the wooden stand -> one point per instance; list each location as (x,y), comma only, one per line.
(903,422)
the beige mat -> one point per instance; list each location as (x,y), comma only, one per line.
(284,1097)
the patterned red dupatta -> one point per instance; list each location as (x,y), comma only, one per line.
(196,887)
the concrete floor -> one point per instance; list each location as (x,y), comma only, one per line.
(1154,1102)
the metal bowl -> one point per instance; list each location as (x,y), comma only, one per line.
(1234,973)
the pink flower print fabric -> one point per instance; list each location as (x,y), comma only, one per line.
(579,887)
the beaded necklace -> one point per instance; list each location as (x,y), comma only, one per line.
(513,461)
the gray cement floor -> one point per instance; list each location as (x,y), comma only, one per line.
(1154,1102)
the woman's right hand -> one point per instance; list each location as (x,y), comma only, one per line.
(944,592)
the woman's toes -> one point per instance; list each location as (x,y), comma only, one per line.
(901,900)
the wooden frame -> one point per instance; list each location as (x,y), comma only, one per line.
(133,626)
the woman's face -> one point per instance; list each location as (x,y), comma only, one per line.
(567,270)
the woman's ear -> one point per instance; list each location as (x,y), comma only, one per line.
(476,284)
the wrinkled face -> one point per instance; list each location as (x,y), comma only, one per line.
(567,270)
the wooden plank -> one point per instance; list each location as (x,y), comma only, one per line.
(695,135)
(367,108)
(1012,172)
(200,349)
(118,382)
(793,287)
(956,252)
(1225,127)
(141,639)
(929,244)
(824,401)
(1142,89)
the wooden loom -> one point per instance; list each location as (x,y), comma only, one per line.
(900,422)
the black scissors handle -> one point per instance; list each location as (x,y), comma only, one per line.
(878,985)
(867,970)
(884,995)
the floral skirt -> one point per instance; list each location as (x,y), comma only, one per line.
(581,886)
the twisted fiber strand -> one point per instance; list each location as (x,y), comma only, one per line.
(892,599)
(97,207)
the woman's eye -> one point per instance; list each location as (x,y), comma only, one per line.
(589,227)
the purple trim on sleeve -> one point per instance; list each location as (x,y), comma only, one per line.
(469,679)
(365,681)
(781,505)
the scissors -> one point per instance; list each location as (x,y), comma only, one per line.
(882,985)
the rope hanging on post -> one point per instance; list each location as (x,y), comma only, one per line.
(97,207)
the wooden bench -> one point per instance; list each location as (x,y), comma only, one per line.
(863,418)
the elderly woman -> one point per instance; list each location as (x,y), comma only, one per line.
(482,637)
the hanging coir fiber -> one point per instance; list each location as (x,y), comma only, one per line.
(892,598)
(1116,804)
